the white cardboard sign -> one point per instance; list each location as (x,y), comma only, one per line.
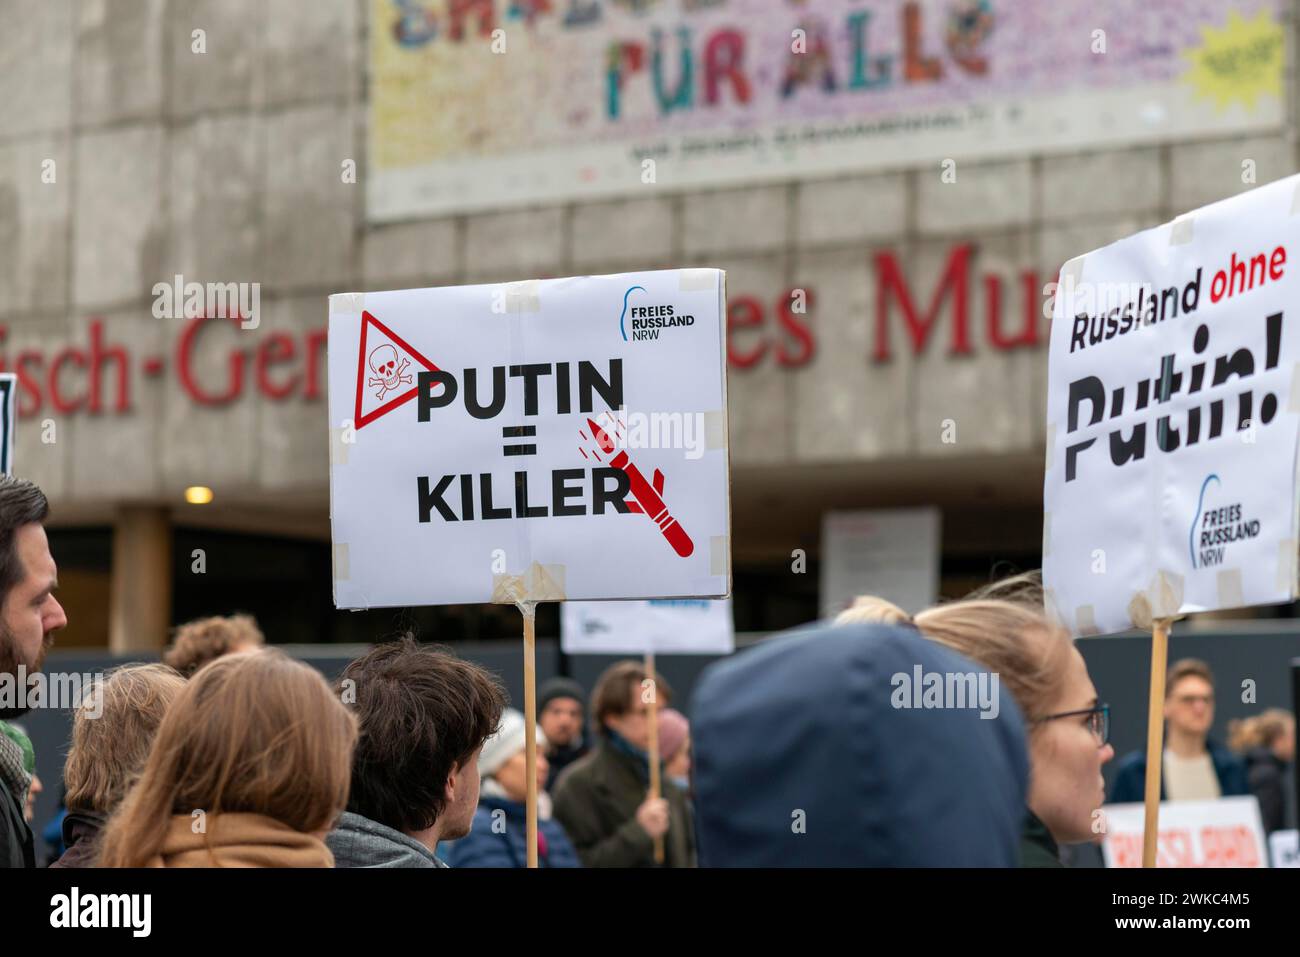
(1172,418)
(8,416)
(673,626)
(892,553)
(543,440)
(1223,833)
(1284,848)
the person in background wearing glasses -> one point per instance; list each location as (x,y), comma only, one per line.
(1196,768)
(1005,628)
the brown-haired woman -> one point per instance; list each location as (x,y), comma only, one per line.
(250,768)
(1267,743)
(1068,728)
(112,731)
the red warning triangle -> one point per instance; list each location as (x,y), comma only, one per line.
(384,373)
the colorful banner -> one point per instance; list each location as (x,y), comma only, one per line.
(489,103)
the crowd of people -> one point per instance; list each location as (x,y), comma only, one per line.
(231,753)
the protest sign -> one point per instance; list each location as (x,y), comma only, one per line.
(8,404)
(1284,848)
(545,440)
(1172,418)
(533,441)
(1223,833)
(689,626)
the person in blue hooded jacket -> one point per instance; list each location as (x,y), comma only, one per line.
(811,750)
(498,835)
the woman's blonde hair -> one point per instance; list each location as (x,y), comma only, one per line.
(1003,627)
(1259,731)
(259,733)
(112,730)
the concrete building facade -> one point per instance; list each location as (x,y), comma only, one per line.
(915,374)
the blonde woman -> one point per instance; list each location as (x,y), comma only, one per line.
(1068,727)
(112,731)
(250,768)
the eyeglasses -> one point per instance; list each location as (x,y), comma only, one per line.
(1098,723)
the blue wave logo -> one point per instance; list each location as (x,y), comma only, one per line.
(623,314)
(1200,502)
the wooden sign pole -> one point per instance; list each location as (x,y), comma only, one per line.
(529,610)
(1155,737)
(652,715)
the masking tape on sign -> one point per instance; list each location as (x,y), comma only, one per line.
(339,446)
(1293,400)
(1051,445)
(719,555)
(342,564)
(347,303)
(715,429)
(523,296)
(694,280)
(1286,559)
(1182,230)
(1085,620)
(1072,272)
(1162,599)
(539,583)
(1228,583)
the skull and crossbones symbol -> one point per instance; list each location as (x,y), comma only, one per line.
(388,374)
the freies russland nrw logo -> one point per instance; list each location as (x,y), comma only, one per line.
(642,320)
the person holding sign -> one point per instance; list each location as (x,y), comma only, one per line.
(603,801)
(497,837)
(1195,767)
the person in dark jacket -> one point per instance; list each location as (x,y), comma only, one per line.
(113,729)
(1267,744)
(1196,768)
(17,777)
(498,837)
(29,617)
(802,758)
(603,801)
(424,714)
(561,714)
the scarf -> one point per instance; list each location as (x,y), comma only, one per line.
(640,758)
(239,840)
(17,762)
(492,788)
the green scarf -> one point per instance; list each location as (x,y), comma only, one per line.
(17,761)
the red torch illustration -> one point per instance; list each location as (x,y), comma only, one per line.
(646,494)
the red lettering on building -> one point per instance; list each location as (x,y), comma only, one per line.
(891,284)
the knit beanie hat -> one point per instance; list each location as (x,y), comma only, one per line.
(673,731)
(505,744)
(559,687)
